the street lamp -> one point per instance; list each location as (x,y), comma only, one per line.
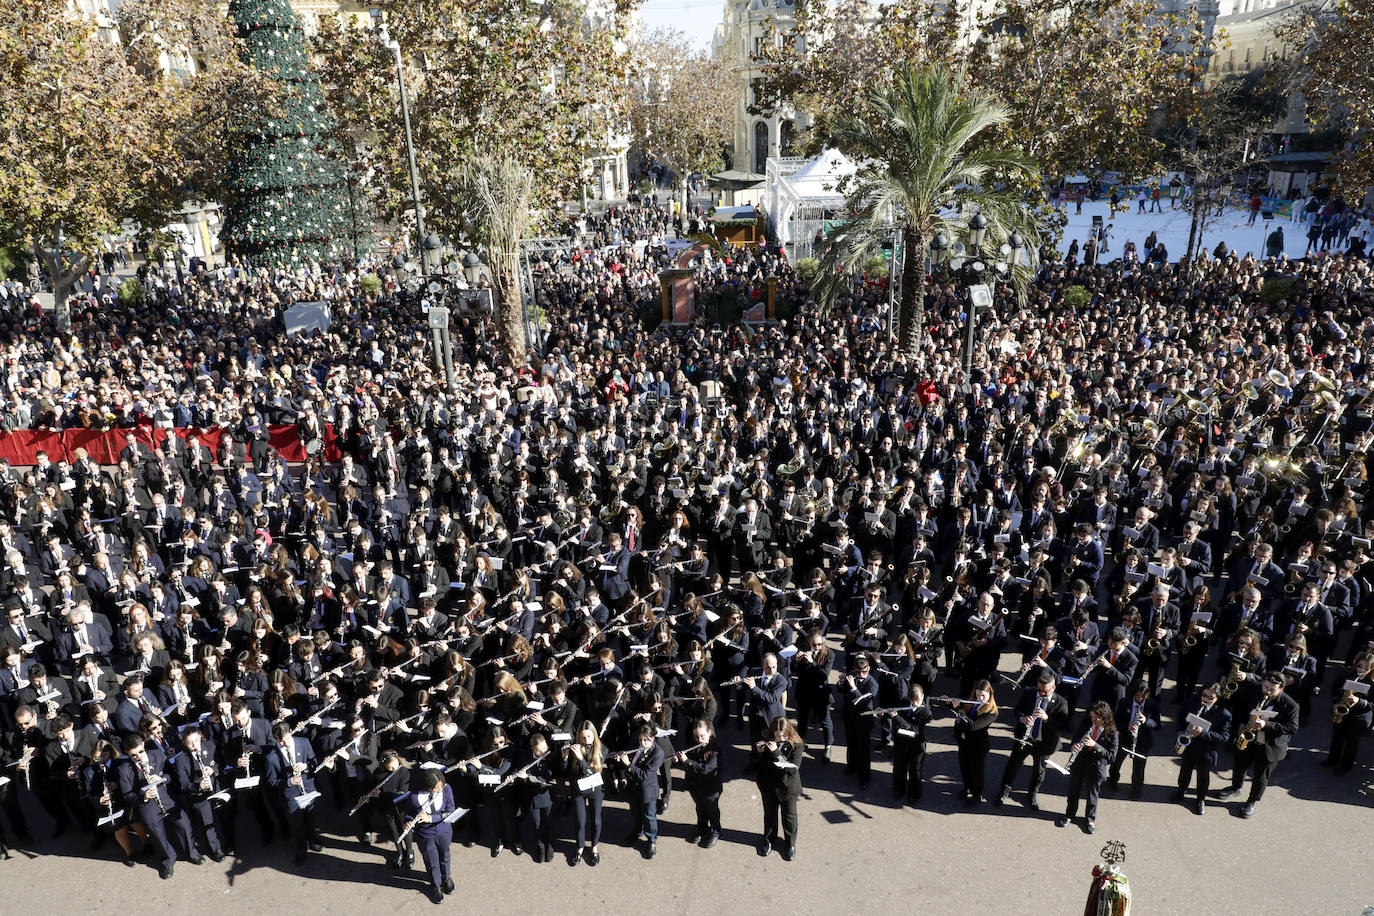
(472,267)
(433,245)
(970,267)
(384,36)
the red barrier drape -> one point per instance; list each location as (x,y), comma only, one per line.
(21,447)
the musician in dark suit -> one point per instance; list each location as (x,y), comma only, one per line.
(428,805)
(1115,669)
(195,777)
(1041,717)
(290,772)
(777,771)
(766,695)
(1200,754)
(644,768)
(1093,753)
(859,695)
(702,765)
(811,671)
(909,745)
(143,785)
(86,636)
(241,743)
(615,582)
(1139,716)
(94,684)
(1269,744)
(1085,556)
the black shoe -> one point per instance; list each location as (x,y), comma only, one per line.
(766,848)
(789,853)
(574,859)
(548,853)
(1033,802)
(537,854)
(694,836)
(129,861)
(315,846)
(435,895)
(447,886)
(1002,797)
(663,806)
(1062,822)
(198,860)
(1201,807)
(164,872)
(496,850)
(216,855)
(469,843)
(710,840)
(1343,769)
(1176,797)
(1090,828)
(653,850)
(1228,792)
(594,858)
(1248,810)
(516,850)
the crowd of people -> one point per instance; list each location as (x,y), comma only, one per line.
(672,558)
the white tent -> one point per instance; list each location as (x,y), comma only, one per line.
(804,196)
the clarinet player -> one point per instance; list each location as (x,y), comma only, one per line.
(1092,754)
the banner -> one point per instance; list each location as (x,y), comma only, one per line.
(21,447)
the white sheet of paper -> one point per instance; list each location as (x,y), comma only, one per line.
(108,819)
(488,779)
(457,813)
(247,782)
(587,783)
(305,800)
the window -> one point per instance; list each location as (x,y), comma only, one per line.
(761,147)
(787,138)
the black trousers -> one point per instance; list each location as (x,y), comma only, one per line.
(157,826)
(1345,742)
(205,819)
(815,709)
(1085,780)
(973,754)
(1253,759)
(1192,763)
(1137,769)
(587,813)
(434,850)
(908,762)
(1019,753)
(541,822)
(859,737)
(772,808)
(708,812)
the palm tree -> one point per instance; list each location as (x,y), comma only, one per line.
(925,166)
(497,194)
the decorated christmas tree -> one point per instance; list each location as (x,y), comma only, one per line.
(285,200)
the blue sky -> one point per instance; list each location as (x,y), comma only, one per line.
(696,18)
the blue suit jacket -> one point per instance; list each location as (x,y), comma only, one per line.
(410,807)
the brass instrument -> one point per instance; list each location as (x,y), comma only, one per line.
(1182,741)
(1233,682)
(1152,645)
(791,467)
(1343,707)
(1276,378)
(1250,732)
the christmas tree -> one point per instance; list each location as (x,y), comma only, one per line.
(285,200)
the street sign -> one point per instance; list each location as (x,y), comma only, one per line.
(438,317)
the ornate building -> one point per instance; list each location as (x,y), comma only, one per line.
(744,25)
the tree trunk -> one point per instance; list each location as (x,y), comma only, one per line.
(1194,230)
(912,307)
(62,281)
(510,312)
